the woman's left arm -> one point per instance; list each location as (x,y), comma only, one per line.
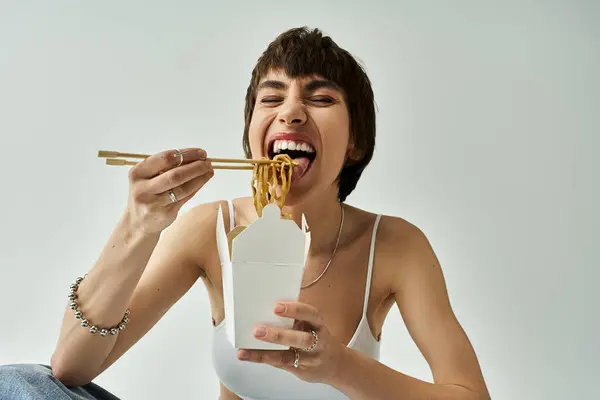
(421,295)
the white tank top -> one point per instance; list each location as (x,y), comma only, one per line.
(252,381)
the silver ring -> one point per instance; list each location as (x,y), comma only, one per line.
(314,345)
(296,358)
(180,154)
(172,196)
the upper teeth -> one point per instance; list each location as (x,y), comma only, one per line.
(279,145)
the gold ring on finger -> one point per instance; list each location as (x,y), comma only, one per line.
(180,154)
(296,358)
(315,342)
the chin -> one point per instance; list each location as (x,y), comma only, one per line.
(297,196)
(308,192)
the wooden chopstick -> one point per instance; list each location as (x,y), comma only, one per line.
(116,154)
(113,158)
(116,161)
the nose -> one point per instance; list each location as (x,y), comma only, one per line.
(292,113)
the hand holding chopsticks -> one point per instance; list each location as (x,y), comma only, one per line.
(117,158)
(159,185)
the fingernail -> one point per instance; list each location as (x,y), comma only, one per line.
(260,331)
(202,154)
(279,308)
(244,355)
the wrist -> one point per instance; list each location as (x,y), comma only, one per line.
(340,372)
(132,229)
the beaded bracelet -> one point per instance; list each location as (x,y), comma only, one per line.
(84,322)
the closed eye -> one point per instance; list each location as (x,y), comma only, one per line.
(323,99)
(271,100)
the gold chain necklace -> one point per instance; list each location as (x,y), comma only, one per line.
(332,254)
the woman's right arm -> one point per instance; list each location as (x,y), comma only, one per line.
(136,270)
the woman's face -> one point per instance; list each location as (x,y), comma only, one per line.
(306,118)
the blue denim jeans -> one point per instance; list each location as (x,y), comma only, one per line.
(36,382)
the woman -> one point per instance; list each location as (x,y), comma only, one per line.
(310,99)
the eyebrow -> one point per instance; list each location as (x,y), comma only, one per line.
(310,87)
(321,84)
(272,84)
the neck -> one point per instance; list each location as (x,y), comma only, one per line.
(323,215)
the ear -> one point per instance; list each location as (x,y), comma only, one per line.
(352,153)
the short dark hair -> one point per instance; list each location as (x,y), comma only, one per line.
(302,52)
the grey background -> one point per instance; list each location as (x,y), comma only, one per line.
(487,137)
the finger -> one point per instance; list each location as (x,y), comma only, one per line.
(188,189)
(177,176)
(179,203)
(164,161)
(276,358)
(301,312)
(283,336)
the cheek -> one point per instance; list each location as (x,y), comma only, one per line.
(336,139)
(257,130)
(337,150)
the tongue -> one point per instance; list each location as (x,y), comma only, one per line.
(301,168)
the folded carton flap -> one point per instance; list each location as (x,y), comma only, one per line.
(270,239)
(306,232)
(222,241)
(232,235)
(304,224)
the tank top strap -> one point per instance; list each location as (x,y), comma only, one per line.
(371,261)
(231,215)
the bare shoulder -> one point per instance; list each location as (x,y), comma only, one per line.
(194,231)
(394,228)
(400,243)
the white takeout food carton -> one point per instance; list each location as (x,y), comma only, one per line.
(264,265)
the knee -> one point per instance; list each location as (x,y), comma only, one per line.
(15,377)
(24,371)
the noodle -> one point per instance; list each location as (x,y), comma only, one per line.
(268,179)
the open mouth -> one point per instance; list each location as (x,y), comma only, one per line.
(300,151)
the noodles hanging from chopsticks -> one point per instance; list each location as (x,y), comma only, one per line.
(271,182)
